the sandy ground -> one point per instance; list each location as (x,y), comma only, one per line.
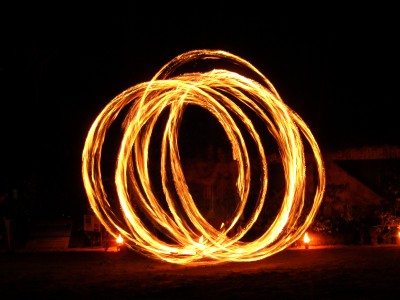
(348,272)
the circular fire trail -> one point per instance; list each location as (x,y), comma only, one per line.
(171,227)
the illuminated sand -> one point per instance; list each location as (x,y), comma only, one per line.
(188,237)
(352,272)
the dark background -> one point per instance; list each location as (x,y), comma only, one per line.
(335,66)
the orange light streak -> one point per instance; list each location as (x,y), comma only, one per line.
(191,238)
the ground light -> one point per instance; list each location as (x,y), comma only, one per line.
(306,240)
(120,242)
(398,235)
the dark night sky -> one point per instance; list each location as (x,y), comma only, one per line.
(60,66)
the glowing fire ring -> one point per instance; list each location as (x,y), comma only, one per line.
(191,238)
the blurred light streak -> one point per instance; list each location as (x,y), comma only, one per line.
(191,238)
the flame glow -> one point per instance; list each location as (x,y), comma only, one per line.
(306,238)
(119,239)
(187,236)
